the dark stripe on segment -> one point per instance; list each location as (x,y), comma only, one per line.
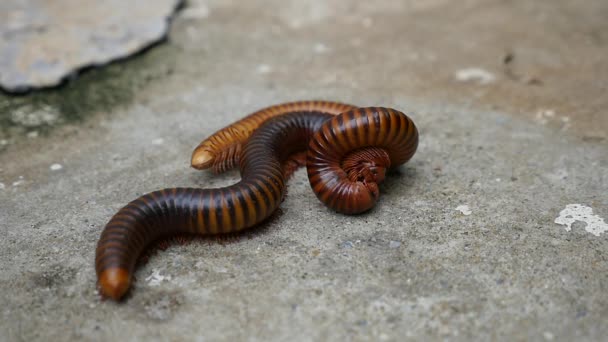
(271,178)
(395,125)
(189,209)
(237,212)
(267,194)
(169,200)
(206,205)
(158,208)
(201,226)
(125,226)
(180,208)
(360,128)
(212,222)
(337,132)
(255,204)
(350,128)
(144,205)
(226,206)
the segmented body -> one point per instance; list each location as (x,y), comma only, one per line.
(222,149)
(346,159)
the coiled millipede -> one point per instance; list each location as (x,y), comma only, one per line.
(346,157)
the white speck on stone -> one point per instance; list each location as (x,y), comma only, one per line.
(544,115)
(32,134)
(3,142)
(320,48)
(2,186)
(479,75)
(156,278)
(548,336)
(263,69)
(394,244)
(221,270)
(498,180)
(464,209)
(19,182)
(56,167)
(158,141)
(579,212)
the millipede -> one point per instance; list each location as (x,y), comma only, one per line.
(346,151)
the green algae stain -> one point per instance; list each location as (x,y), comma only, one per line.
(93,91)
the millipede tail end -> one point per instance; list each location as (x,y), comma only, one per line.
(202,158)
(114,282)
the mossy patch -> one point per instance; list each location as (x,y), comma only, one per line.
(92,91)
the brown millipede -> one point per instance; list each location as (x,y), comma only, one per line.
(346,157)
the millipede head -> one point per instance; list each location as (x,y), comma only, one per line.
(348,156)
(368,164)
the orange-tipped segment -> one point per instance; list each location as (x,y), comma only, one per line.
(114,282)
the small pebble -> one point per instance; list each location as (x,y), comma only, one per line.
(321,48)
(2,186)
(56,167)
(347,245)
(32,134)
(158,141)
(464,209)
(394,244)
(263,69)
(478,75)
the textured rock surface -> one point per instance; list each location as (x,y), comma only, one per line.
(42,42)
(510,100)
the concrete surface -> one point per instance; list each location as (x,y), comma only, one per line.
(509,97)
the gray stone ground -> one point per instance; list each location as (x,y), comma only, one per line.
(509,98)
(43,42)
